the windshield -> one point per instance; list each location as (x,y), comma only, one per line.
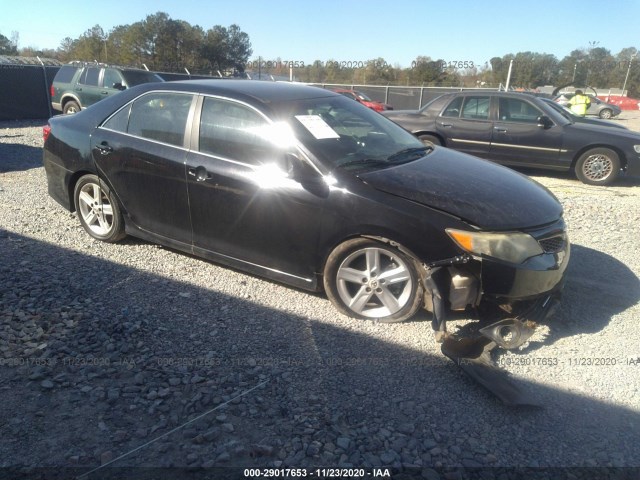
(344,134)
(362,96)
(561,109)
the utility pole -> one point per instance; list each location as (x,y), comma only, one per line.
(628,70)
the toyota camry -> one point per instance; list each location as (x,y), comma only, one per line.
(306,187)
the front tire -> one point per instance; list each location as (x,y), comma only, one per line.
(371,280)
(98,210)
(598,166)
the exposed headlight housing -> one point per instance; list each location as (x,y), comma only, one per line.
(511,247)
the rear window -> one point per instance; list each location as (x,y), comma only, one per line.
(65,74)
(90,77)
(138,77)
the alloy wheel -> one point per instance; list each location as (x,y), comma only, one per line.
(597,167)
(96,209)
(374,282)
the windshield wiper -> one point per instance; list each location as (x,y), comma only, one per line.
(407,151)
(365,161)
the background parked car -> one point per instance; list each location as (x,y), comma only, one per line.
(597,107)
(363,99)
(78,85)
(521,130)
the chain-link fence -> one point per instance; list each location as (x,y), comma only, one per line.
(24,90)
(401,98)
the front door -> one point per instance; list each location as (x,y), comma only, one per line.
(243,203)
(519,140)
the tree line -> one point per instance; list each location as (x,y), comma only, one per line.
(596,67)
(165,44)
(159,42)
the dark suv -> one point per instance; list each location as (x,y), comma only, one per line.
(78,85)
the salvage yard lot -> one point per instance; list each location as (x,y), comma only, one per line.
(104,348)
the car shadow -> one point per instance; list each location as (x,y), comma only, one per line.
(15,157)
(124,355)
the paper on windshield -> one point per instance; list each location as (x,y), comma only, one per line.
(317,126)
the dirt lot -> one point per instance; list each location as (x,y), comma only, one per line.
(133,355)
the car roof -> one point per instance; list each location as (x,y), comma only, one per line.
(262,91)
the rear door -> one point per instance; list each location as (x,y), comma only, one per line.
(519,140)
(465,124)
(88,88)
(141,152)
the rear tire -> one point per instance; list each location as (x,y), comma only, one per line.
(98,210)
(606,113)
(371,280)
(71,107)
(598,166)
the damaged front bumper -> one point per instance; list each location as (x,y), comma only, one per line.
(508,299)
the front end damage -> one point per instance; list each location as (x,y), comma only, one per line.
(508,300)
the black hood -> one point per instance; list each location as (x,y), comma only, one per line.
(482,193)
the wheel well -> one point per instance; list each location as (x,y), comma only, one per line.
(433,134)
(386,240)
(69,98)
(72,186)
(623,159)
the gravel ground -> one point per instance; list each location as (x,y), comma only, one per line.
(134,349)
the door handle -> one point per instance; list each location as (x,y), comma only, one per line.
(104,148)
(104,93)
(446,125)
(200,173)
(500,129)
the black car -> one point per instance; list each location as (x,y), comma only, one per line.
(309,188)
(522,130)
(80,84)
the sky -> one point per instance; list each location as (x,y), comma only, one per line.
(354,30)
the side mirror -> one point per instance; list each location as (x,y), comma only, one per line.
(119,86)
(544,122)
(296,168)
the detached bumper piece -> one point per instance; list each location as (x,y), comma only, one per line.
(473,355)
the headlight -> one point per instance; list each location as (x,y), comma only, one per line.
(511,247)
(636,148)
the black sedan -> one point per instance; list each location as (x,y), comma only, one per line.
(521,130)
(309,188)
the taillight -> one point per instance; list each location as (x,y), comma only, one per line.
(46,130)
(52,91)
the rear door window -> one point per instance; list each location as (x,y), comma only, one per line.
(476,108)
(453,109)
(90,76)
(158,116)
